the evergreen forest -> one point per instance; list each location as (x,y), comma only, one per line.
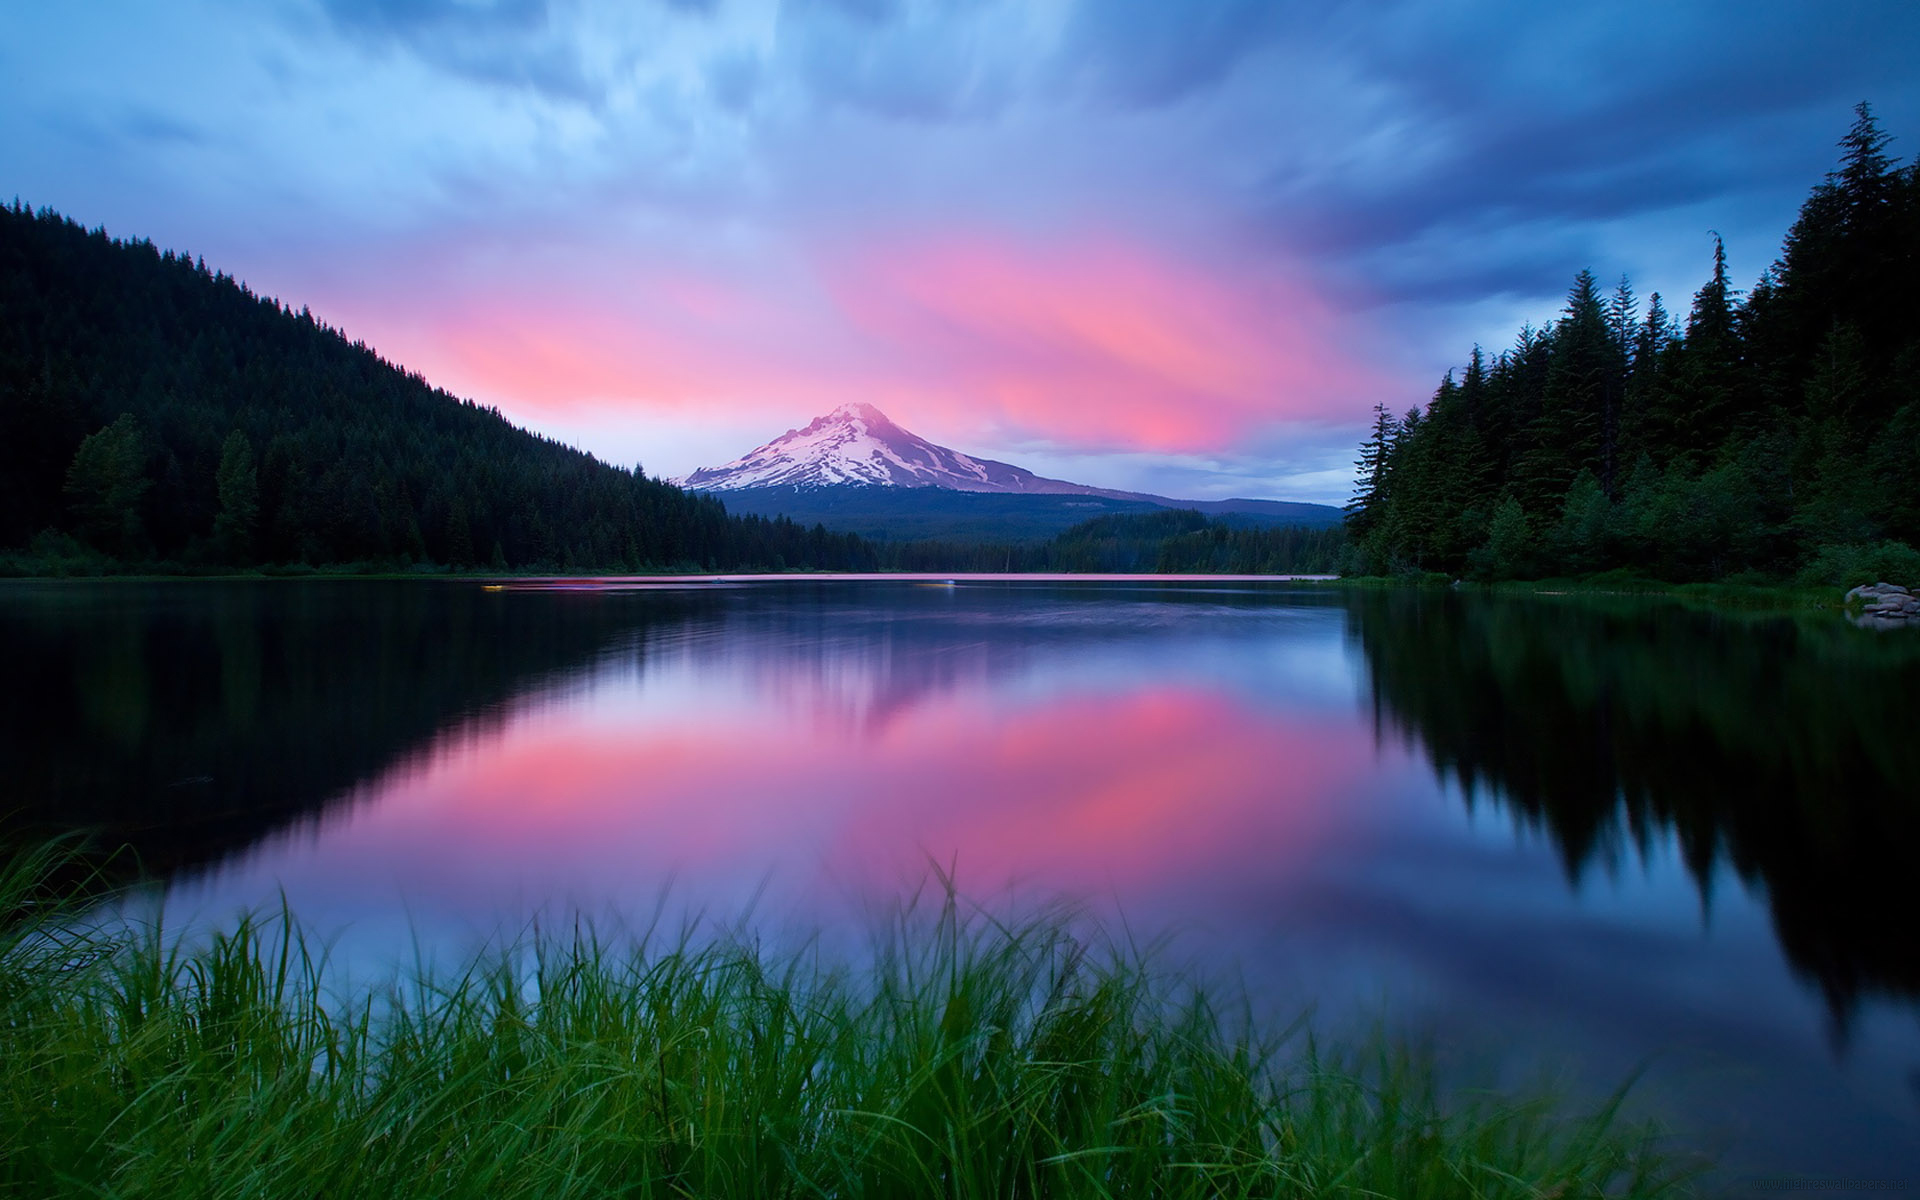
(1767,435)
(158,415)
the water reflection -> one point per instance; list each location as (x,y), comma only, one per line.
(189,720)
(1074,734)
(1629,831)
(1081,792)
(835,745)
(1783,750)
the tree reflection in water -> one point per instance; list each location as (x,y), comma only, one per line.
(1783,748)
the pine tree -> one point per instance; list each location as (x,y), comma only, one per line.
(1867,179)
(1623,310)
(1372,463)
(1848,256)
(1703,386)
(1575,425)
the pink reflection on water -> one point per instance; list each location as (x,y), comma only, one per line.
(1145,792)
(1097,791)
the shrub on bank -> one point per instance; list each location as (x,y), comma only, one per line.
(1847,566)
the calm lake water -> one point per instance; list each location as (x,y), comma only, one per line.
(1583,836)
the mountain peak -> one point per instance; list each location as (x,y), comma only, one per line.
(859,409)
(857,444)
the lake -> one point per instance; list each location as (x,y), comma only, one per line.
(1565,837)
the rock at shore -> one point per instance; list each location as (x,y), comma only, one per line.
(1885,605)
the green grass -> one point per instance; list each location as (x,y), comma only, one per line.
(961,1057)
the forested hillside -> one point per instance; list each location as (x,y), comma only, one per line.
(1774,433)
(156,413)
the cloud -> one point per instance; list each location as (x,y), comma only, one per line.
(931,61)
(972,334)
(1580,129)
(1095,342)
(148,125)
(416,18)
(733,79)
(1148,52)
(509,42)
(577,51)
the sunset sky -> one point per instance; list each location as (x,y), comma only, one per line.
(1181,247)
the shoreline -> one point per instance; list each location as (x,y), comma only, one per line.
(1731,594)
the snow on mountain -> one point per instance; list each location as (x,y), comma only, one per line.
(856,444)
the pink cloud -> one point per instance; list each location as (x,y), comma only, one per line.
(1096,344)
(538,337)
(1103,344)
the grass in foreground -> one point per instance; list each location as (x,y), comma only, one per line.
(962,1058)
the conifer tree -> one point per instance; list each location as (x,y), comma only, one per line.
(1623,311)
(1372,464)
(1709,356)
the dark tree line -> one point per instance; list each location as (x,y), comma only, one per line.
(1172,541)
(1771,434)
(156,413)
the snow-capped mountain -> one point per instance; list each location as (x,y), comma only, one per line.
(856,444)
(855,471)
